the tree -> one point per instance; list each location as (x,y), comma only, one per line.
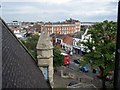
(31,43)
(58,58)
(101,47)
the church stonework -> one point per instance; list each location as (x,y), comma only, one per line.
(45,56)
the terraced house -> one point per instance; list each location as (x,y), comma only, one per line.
(66,27)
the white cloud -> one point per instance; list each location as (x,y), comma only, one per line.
(42,1)
(33,10)
(20,10)
(98,1)
(27,9)
(99,12)
(54,1)
(62,9)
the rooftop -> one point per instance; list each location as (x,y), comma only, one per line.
(70,21)
(68,40)
(19,68)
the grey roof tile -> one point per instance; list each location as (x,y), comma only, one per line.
(19,70)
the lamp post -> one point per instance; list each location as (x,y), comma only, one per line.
(117,55)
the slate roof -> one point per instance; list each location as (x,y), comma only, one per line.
(60,36)
(19,69)
(78,34)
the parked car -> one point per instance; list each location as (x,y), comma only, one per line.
(95,70)
(99,76)
(77,61)
(72,83)
(84,69)
(108,77)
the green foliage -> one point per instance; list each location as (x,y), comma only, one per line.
(31,43)
(58,58)
(102,46)
(82,28)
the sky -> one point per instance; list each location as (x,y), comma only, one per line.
(59,10)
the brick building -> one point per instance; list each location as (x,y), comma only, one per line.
(67,27)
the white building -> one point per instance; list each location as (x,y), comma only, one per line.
(84,38)
(18,33)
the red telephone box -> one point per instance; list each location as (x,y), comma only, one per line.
(66,58)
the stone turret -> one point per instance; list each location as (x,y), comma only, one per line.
(45,55)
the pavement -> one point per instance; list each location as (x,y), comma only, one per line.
(60,82)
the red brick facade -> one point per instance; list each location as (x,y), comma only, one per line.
(67,27)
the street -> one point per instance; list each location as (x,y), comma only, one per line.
(88,76)
(79,76)
(76,67)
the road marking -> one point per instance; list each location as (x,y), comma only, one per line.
(74,63)
(88,77)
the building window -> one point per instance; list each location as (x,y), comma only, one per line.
(45,72)
(58,41)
